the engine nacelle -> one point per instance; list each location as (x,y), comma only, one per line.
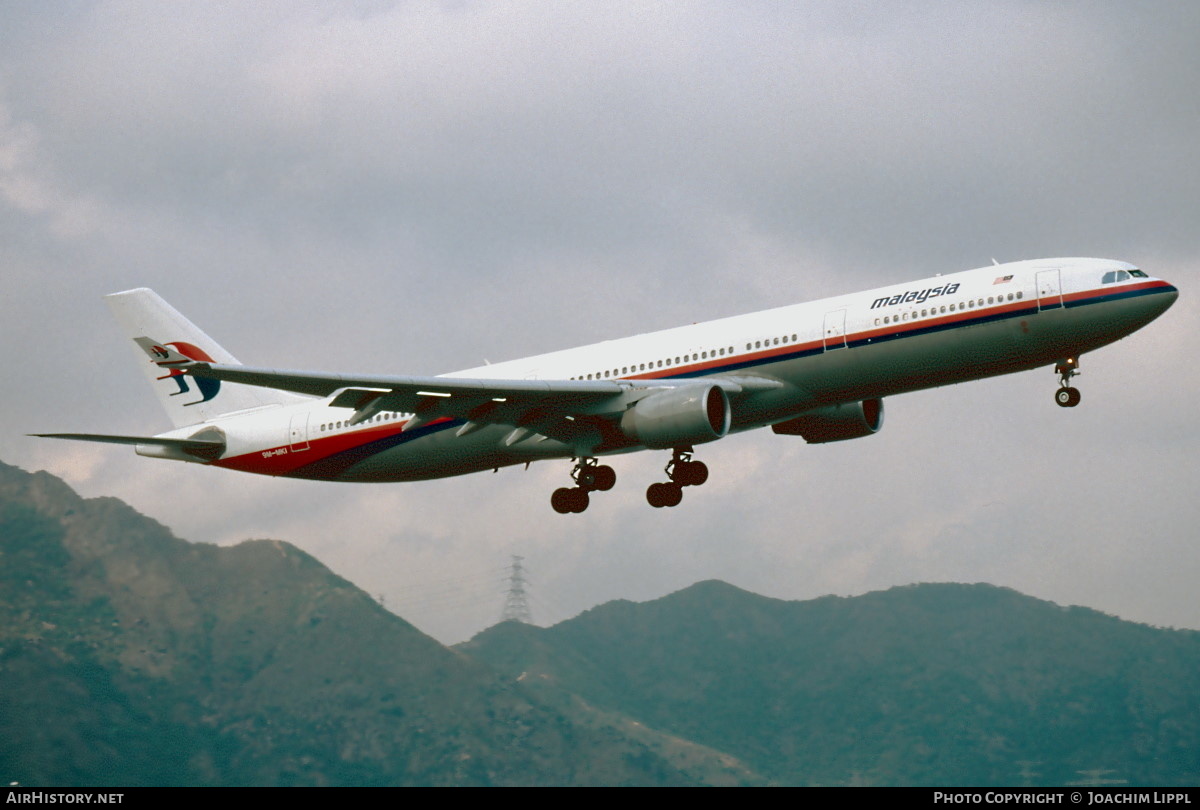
(850,420)
(678,417)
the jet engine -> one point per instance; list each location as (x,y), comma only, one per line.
(850,420)
(678,417)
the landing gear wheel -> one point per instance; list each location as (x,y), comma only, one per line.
(691,473)
(566,500)
(660,495)
(1067,397)
(682,472)
(685,471)
(592,476)
(603,478)
(589,477)
(561,500)
(579,499)
(654,496)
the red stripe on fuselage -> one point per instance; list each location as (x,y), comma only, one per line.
(283,460)
(1109,289)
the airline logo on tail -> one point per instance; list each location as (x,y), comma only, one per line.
(207,388)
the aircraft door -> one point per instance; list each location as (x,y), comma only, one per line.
(835,329)
(1049,289)
(298,432)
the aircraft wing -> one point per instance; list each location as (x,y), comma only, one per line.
(546,407)
(428,398)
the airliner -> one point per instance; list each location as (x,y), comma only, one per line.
(817,370)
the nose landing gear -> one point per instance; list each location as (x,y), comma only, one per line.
(1066,396)
(682,472)
(589,476)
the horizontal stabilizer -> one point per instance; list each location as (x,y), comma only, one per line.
(200,448)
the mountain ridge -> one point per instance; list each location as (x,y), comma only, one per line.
(936,683)
(129,656)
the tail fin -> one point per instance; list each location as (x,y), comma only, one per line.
(186,399)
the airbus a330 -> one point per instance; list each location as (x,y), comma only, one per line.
(817,370)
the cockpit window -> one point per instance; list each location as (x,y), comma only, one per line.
(1138,274)
(1113,276)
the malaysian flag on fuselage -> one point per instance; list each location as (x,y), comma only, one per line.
(1002,279)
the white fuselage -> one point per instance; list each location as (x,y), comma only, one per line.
(846,349)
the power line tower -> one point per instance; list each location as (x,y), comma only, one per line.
(516,607)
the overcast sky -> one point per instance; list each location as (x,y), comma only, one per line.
(415,187)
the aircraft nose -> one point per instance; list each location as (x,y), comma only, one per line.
(1170,293)
(1162,299)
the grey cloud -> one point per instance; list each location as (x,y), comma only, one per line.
(413,188)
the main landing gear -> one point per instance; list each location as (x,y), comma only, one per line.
(1066,396)
(683,472)
(589,475)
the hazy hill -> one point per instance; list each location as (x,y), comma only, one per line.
(128,656)
(927,684)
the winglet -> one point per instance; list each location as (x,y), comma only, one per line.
(161,354)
